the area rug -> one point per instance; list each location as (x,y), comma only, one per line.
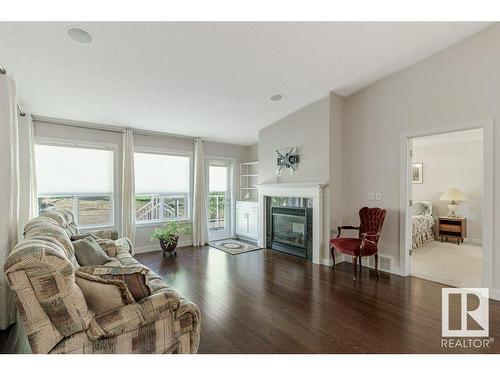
(233,247)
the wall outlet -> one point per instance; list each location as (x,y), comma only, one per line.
(378,196)
(371,196)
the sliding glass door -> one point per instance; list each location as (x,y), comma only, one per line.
(219,199)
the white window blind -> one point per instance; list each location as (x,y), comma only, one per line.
(217,180)
(161,174)
(62,170)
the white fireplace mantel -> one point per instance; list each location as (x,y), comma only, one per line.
(314,190)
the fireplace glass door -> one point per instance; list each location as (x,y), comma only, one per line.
(289,229)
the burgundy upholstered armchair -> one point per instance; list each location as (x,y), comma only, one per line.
(371,221)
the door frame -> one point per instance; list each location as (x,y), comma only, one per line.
(231,186)
(488,191)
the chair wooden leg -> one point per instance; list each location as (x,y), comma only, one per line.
(354,264)
(332,250)
(376,266)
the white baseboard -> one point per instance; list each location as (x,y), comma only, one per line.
(156,247)
(339,258)
(495,294)
(147,249)
(475,241)
(326,261)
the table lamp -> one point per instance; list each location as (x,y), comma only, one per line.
(453,195)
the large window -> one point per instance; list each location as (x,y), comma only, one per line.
(161,187)
(78,178)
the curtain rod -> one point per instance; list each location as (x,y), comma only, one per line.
(105,128)
(21,113)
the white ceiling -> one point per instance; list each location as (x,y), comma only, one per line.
(207,79)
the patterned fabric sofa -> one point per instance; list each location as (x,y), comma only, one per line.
(55,315)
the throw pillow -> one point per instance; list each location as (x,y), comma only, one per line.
(134,278)
(76,237)
(109,246)
(89,253)
(103,295)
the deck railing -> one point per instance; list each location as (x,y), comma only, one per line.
(159,210)
(216,206)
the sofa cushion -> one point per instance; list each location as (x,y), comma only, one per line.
(128,318)
(134,277)
(89,253)
(103,295)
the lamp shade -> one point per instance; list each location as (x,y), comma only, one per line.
(453,194)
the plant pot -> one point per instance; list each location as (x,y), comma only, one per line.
(169,247)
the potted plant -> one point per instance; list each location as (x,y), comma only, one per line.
(168,235)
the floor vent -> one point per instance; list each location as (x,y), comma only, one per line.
(384,262)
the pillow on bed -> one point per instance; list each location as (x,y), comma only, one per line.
(421,208)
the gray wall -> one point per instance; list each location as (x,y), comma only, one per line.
(307,128)
(252,152)
(458,85)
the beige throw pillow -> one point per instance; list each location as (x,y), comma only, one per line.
(103,295)
(133,276)
(89,253)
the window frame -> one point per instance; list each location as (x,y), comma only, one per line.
(170,152)
(72,143)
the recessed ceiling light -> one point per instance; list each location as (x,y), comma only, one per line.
(79,36)
(276,97)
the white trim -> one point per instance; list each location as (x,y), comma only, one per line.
(147,249)
(154,224)
(72,142)
(340,258)
(314,190)
(103,127)
(156,247)
(495,294)
(162,151)
(488,179)
(328,261)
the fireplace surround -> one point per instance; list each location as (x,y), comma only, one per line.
(319,215)
(290,225)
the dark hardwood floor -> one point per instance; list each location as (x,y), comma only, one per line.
(269,302)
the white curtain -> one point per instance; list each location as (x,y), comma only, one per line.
(128,187)
(28,195)
(200,219)
(9,186)
(32,182)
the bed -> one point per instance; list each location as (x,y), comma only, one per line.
(422,223)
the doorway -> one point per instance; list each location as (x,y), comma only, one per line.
(219,199)
(446,199)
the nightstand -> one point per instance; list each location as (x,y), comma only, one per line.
(452,227)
